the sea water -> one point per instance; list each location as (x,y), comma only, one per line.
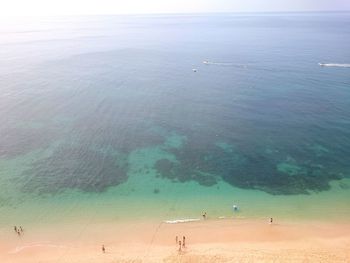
(103,117)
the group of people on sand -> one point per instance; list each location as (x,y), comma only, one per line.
(182,245)
(18,230)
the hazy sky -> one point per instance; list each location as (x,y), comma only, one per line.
(68,7)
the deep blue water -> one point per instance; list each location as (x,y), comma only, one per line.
(79,94)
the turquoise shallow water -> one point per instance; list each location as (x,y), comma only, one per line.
(145,196)
(103,118)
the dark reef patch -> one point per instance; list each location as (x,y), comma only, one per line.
(207,163)
(178,173)
(76,168)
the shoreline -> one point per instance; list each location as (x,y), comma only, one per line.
(207,241)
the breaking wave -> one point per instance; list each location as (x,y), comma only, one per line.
(186,220)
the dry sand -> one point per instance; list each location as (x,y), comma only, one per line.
(207,241)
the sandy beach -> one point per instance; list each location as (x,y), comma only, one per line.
(120,130)
(225,240)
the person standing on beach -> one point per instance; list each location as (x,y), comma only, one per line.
(103,249)
(183,241)
(179,245)
(204,215)
(15,228)
(271,220)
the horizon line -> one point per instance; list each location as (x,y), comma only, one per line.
(181,13)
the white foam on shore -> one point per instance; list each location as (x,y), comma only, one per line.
(334,65)
(20,248)
(186,220)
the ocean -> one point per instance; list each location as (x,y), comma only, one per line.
(165,117)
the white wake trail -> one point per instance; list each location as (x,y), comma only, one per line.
(227,64)
(334,65)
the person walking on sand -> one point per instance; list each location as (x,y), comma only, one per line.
(103,249)
(183,241)
(15,228)
(180,246)
(271,220)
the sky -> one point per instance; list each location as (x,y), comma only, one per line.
(91,7)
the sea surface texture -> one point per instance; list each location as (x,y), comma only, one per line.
(166,116)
